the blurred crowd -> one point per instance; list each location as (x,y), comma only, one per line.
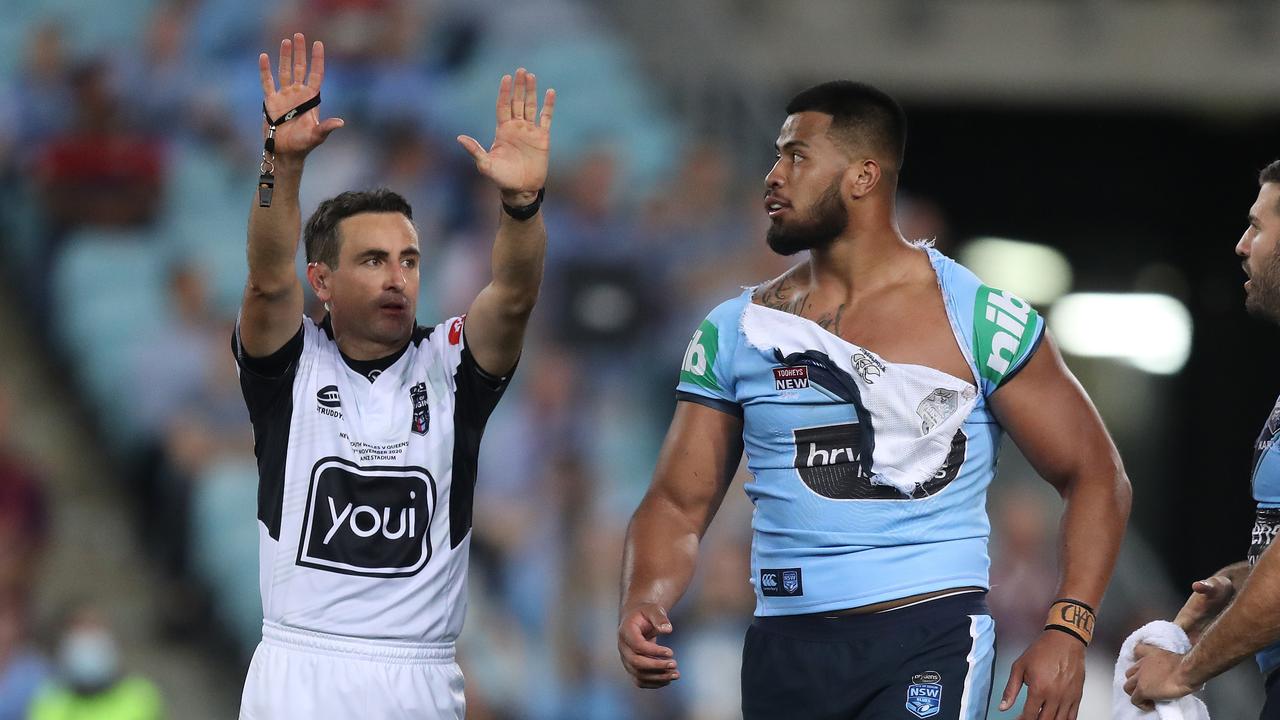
(126,173)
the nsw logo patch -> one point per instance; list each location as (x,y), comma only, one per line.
(781,582)
(924,694)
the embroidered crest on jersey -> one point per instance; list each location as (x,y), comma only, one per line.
(367,520)
(924,694)
(791,378)
(700,357)
(421,412)
(936,407)
(1003,325)
(867,365)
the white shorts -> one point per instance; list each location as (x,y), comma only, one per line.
(302,674)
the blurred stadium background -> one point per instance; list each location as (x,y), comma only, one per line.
(1096,156)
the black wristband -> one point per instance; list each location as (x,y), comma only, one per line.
(528,211)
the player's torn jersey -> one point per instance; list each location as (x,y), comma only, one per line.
(869,477)
(365,487)
(1266,493)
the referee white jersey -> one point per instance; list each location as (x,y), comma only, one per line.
(365,487)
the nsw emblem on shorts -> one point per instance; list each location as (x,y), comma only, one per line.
(924,694)
(421,413)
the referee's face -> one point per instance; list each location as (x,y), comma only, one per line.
(373,292)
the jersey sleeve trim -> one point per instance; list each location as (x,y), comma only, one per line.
(269,367)
(724,406)
(1035,345)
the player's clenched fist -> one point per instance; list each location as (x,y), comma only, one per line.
(651,665)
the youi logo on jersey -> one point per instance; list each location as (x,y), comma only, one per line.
(371,521)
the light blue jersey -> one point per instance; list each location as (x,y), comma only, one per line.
(869,477)
(1266,493)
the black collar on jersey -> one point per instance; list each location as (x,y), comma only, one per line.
(371,369)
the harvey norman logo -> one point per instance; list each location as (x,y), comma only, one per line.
(1004,327)
(791,378)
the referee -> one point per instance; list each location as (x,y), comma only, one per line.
(367,426)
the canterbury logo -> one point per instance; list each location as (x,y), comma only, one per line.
(1010,314)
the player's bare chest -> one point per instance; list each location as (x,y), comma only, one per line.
(905,327)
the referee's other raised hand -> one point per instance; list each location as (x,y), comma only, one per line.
(651,665)
(296,138)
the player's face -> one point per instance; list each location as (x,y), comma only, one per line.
(803,199)
(373,292)
(1258,246)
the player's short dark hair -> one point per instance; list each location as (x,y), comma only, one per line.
(862,115)
(321,235)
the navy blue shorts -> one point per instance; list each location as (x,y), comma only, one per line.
(1271,709)
(932,660)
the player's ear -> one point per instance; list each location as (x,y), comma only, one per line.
(861,177)
(318,277)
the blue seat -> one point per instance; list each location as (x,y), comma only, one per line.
(109,296)
(224,544)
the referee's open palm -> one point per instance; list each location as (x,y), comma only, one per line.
(517,160)
(304,133)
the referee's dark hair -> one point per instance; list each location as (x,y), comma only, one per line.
(1270,173)
(321,236)
(862,116)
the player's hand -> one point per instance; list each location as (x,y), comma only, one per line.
(1053,671)
(301,135)
(1209,597)
(1155,675)
(651,665)
(517,160)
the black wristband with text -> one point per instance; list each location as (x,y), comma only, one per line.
(528,211)
(1073,618)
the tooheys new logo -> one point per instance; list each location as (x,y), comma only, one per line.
(1004,328)
(700,357)
(370,521)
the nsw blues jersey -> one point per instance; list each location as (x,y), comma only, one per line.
(1266,493)
(869,477)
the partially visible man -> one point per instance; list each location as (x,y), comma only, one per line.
(1251,624)
(367,425)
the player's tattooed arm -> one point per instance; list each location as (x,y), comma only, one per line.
(273,299)
(517,164)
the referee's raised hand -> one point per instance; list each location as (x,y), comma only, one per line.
(517,160)
(301,135)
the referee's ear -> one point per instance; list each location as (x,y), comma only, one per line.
(318,277)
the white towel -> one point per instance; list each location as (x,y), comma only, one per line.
(1166,636)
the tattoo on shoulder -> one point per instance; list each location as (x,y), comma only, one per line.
(781,294)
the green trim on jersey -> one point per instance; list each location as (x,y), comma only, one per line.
(700,358)
(1003,331)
